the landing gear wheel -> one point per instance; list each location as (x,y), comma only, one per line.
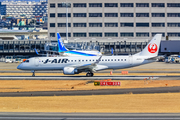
(92,74)
(89,74)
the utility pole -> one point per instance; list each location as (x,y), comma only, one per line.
(65,4)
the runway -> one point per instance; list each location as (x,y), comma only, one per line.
(77,77)
(93,92)
(89,116)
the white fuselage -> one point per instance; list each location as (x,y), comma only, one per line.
(106,62)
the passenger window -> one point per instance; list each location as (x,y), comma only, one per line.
(124,59)
(93,60)
(86,60)
(102,60)
(89,60)
(105,60)
(71,60)
(111,59)
(121,59)
(118,59)
(114,59)
(68,60)
(75,60)
(108,60)
(83,60)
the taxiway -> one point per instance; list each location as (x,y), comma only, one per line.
(89,116)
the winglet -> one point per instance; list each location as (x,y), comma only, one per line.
(98,60)
(36,51)
(61,47)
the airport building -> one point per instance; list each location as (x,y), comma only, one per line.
(23,8)
(114,20)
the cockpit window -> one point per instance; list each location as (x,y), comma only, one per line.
(27,61)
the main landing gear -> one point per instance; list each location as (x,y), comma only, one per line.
(89,74)
(33,71)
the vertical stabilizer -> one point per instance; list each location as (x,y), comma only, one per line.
(61,47)
(152,48)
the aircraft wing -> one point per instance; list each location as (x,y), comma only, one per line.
(90,67)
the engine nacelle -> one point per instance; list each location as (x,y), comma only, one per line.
(70,71)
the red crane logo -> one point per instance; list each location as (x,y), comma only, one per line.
(152,48)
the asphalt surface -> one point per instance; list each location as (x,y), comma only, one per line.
(93,92)
(157,77)
(76,77)
(89,116)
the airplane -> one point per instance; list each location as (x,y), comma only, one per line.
(76,64)
(63,51)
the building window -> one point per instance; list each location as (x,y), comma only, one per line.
(79,5)
(142,34)
(64,34)
(110,4)
(79,24)
(126,4)
(95,24)
(158,24)
(52,34)
(111,24)
(173,4)
(126,15)
(173,14)
(111,34)
(95,14)
(142,4)
(95,4)
(79,34)
(157,5)
(95,34)
(52,5)
(52,25)
(111,14)
(158,14)
(173,24)
(60,5)
(52,15)
(64,14)
(153,34)
(127,34)
(142,24)
(142,14)
(64,24)
(79,14)
(127,24)
(173,34)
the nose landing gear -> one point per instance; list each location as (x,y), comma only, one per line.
(33,71)
(89,74)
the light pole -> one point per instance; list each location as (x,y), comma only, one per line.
(65,4)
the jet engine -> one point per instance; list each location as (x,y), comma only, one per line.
(70,71)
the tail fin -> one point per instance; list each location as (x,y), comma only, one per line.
(152,48)
(61,47)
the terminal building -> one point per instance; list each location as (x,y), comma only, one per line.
(115,20)
(26,8)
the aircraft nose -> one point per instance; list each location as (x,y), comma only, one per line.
(19,66)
